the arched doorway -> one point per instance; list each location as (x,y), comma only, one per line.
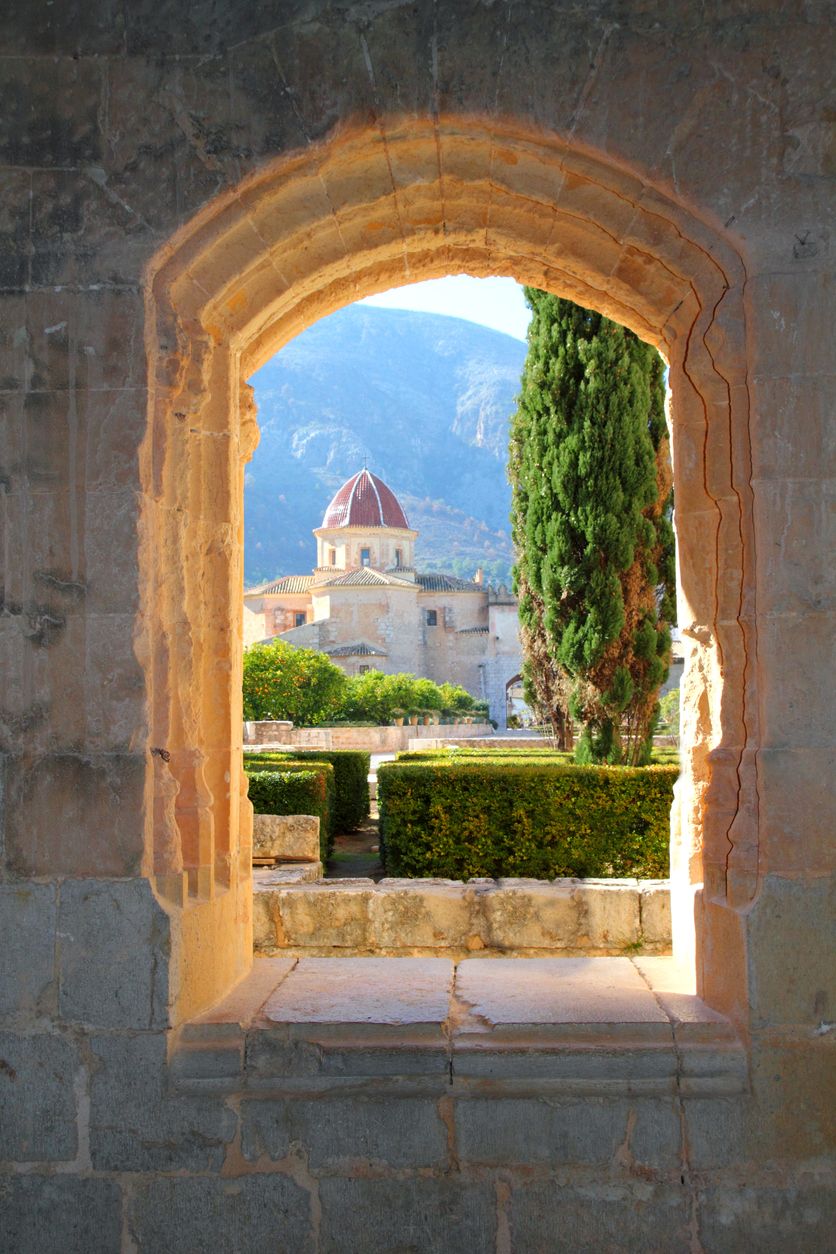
(368,210)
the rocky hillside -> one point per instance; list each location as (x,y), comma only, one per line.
(424,398)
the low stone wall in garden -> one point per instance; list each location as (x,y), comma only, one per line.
(376,739)
(449,918)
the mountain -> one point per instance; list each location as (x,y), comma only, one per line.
(424,399)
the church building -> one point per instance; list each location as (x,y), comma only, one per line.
(367,608)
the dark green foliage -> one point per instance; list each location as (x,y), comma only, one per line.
(283,682)
(278,786)
(375,696)
(589,468)
(351,778)
(524,818)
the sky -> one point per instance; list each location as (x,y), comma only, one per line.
(495,303)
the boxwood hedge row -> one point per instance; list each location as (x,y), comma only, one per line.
(351,780)
(464,817)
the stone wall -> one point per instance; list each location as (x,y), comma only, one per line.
(374,739)
(514,917)
(185,188)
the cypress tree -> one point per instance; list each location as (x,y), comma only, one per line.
(589,468)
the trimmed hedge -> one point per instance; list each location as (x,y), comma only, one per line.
(466,818)
(295,788)
(351,778)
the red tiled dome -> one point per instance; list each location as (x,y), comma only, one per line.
(365,501)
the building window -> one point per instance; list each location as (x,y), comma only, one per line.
(363,669)
(299,618)
(432,618)
(365,557)
(332,557)
(399,557)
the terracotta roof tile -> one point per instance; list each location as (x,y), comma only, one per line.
(435,582)
(355,650)
(365,501)
(367,577)
(289,583)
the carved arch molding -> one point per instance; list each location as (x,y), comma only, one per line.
(374,207)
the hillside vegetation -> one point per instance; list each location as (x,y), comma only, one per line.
(425,398)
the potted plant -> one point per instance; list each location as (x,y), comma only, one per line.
(425,717)
(398,716)
(412,714)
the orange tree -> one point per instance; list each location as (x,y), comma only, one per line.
(282,682)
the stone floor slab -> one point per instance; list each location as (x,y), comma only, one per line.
(514,991)
(386,991)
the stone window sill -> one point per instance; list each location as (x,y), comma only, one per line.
(484,1025)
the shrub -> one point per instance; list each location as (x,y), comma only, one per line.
(516,817)
(284,786)
(351,782)
(350,777)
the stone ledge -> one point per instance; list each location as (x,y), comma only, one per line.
(485,1026)
(450,918)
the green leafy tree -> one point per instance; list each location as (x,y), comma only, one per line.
(454,697)
(590,473)
(373,696)
(282,682)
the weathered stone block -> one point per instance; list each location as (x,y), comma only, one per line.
(37,1073)
(291,837)
(770,1220)
(321,915)
(378,1216)
(530,914)
(782,989)
(261,1212)
(655,914)
(75,815)
(27,944)
(287,873)
(113,959)
(523,1131)
(265,1129)
(36,131)
(612,1216)
(608,913)
(353,1134)
(265,936)
(137,1125)
(59,1214)
(715,1131)
(655,1134)
(421,916)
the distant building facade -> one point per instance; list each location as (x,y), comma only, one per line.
(367,608)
